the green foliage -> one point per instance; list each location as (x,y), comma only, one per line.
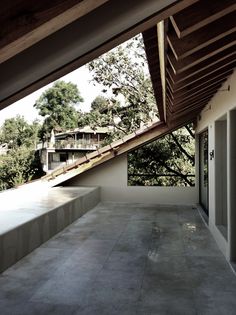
(128,103)
(17,167)
(20,164)
(172,155)
(17,132)
(101,104)
(123,73)
(57,105)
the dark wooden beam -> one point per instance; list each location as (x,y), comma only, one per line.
(201,87)
(199,105)
(104,47)
(187,108)
(200,14)
(181,121)
(196,92)
(225,57)
(202,64)
(154,67)
(25,22)
(201,38)
(198,85)
(185,117)
(185,100)
(203,54)
(205,75)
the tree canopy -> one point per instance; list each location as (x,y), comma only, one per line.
(168,161)
(21,163)
(123,74)
(17,132)
(58,105)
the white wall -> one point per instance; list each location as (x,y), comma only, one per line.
(112,178)
(221,104)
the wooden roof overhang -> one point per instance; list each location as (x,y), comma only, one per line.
(198,55)
(40,41)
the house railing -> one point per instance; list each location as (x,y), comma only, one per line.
(83,144)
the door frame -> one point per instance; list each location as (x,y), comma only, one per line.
(206,210)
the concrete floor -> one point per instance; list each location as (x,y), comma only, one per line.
(124,259)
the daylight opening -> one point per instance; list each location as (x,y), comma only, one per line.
(169,161)
(103,101)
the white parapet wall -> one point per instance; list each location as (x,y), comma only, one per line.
(112,178)
(31,221)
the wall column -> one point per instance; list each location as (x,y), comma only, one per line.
(232,184)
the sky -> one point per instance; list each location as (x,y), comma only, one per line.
(24,107)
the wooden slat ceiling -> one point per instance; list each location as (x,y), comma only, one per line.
(200,56)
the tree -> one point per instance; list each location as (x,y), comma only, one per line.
(18,166)
(168,161)
(123,71)
(57,105)
(21,162)
(101,104)
(17,132)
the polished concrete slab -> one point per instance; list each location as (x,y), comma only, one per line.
(124,259)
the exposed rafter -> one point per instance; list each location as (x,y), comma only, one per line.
(201,55)
(183,47)
(48,39)
(200,14)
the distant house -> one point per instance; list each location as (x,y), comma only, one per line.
(66,147)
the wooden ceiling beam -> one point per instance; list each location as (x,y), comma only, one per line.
(96,51)
(199,15)
(154,68)
(205,75)
(185,118)
(202,64)
(190,106)
(201,38)
(191,90)
(203,54)
(188,115)
(182,121)
(198,106)
(180,102)
(25,22)
(198,91)
(188,103)
(200,84)
(218,60)
(169,82)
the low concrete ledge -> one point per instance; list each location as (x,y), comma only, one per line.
(38,218)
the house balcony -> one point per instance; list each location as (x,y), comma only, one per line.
(81,144)
(123,259)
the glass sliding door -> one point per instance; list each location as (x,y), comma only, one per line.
(203,163)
